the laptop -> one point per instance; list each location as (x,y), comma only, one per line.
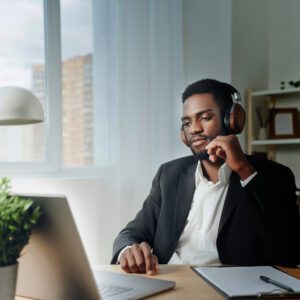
(54,266)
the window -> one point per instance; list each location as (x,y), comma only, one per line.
(49,50)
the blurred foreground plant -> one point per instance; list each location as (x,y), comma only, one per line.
(17,218)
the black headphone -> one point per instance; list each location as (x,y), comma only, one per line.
(234,119)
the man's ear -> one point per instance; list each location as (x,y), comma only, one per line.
(183,137)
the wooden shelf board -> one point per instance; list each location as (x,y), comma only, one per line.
(276,142)
(276,92)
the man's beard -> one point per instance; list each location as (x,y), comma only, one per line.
(202,155)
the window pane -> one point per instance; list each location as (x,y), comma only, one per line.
(22,59)
(77,77)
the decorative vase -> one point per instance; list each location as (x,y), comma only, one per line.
(8,279)
(262,133)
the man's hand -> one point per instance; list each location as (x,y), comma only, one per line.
(228,148)
(139,259)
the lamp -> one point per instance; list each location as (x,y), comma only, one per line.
(19,107)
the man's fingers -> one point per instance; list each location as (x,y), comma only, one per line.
(221,153)
(148,258)
(139,258)
(214,146)
(155,263)
(213,158)
(124,263)
(216,149)
(131,261)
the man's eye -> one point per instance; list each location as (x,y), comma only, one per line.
(186,124)
(205,118)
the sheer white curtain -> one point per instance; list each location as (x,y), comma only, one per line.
(150,82)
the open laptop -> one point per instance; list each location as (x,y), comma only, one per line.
(54,265)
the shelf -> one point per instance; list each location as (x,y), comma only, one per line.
(276,92)
(276,142)
(275,148)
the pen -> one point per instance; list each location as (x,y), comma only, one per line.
(281,285)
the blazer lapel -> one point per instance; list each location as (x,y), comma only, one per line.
(232,198)
(184,198)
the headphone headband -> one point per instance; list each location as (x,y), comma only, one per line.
(236,97)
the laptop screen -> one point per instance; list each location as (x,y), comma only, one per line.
(54,264)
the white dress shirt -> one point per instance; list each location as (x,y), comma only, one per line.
(197,243)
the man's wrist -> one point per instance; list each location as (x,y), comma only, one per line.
(245,171)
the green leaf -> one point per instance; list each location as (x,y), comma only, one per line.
(17,218)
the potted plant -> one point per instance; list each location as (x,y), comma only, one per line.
(17,218)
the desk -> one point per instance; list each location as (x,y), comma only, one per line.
(188,284)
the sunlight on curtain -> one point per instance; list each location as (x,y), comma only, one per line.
(150,87)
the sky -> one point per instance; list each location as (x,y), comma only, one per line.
(23,40)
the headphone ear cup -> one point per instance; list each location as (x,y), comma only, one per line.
(183,138)
(234,120)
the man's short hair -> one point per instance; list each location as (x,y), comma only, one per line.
(221,91)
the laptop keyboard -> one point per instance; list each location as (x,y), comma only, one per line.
(108,290)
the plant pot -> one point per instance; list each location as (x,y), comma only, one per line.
(262,133)
(8,279)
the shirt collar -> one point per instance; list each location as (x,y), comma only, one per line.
(223,173)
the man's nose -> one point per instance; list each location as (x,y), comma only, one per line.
(196,127)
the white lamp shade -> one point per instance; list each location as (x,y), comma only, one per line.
(19,107)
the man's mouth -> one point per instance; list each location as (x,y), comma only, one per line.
(199,140)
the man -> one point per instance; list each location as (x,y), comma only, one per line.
(217,206)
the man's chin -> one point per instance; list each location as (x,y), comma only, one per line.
(201,155)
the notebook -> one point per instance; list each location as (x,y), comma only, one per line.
(54,266)
(245,282)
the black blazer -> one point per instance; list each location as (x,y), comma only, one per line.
(259,224)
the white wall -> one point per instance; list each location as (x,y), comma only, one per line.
(250,44)
(250,47)
(284,51)
(207,39)
(284,64)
